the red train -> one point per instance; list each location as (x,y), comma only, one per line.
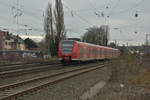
(71,50)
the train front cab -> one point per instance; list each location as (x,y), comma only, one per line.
(67,51)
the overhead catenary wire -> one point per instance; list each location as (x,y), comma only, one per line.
(92,5)
(81,18)
(19,12)
(96,12)
(130,8)
(108,6)
(122,11)
(85,20)
(115,6)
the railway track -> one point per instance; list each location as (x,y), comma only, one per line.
(27,70)
(27,63)
(11,91)
(18,64)
(23,65)
(32,68)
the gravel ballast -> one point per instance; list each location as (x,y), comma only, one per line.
(23,77)
(70,89)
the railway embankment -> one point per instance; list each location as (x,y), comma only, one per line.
(129,80)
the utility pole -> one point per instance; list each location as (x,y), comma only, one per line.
(17,16)
(146,44)
(116,43)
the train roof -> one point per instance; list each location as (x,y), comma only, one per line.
(92,44)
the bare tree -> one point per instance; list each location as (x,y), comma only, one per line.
(96,35)
(54,27)
(59,22)
(48,28)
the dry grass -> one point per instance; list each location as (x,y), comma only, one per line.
(114,92)
(125,67)
(142,80)
(134,74)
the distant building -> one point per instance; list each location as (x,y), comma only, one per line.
(11,42)
(2,40)
(19,43)
(31,45)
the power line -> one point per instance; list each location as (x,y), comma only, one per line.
(115,6)
(107,5)
(91,3)
(28,27)
(96,12)
(131,8)
(18,13)
(20,10)
(81,18)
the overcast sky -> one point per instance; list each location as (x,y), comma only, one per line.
(80,15)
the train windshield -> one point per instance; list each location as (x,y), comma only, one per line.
(67,46)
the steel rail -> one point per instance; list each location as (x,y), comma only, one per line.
(13,73)
(41,82)
(21,63)
(4,87)
(21,66)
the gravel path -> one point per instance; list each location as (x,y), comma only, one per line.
(70,89)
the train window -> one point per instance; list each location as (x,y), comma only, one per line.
(67,46)
(81,50)
(99,51)
(67,43)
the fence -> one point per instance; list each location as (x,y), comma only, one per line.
(20,55)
